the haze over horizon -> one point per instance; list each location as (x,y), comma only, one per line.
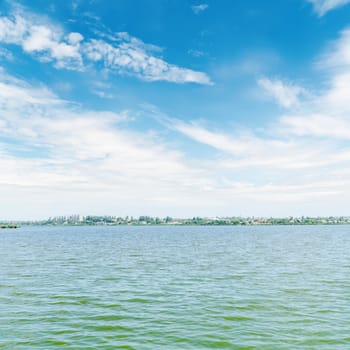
(180,108)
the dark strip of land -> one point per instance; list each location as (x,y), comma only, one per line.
(195,221)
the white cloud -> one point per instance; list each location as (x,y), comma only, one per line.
(316,125)
(6,54)
(45,40)
(335,62)
(74,38)
(336,99)
(199,8)
(337,54)
(13,30)
(131,58)
(323,6)
(286,94)
(250,64)
(102,94)
(123,55)
(327,113)
(196,53)
(275,153)
(236,145)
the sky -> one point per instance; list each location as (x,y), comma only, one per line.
(174,107)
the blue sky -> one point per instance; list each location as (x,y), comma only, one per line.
(168,107)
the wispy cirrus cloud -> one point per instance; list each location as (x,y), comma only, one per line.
(324,6)
(246,150)
(337,54)
(325,113)
(316,125)
(197,9)
(5,54)
(285,93)
(124,54)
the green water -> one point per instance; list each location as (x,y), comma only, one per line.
(175,288)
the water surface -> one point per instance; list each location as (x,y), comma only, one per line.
(281,287)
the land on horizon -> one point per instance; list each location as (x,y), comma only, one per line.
(108,220)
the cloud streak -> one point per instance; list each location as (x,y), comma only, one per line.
(324,6)
(286,94)
(197,9)
(337,54)
(131,58)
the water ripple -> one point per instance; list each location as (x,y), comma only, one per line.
(152,288)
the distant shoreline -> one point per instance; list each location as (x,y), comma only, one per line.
(78,220)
